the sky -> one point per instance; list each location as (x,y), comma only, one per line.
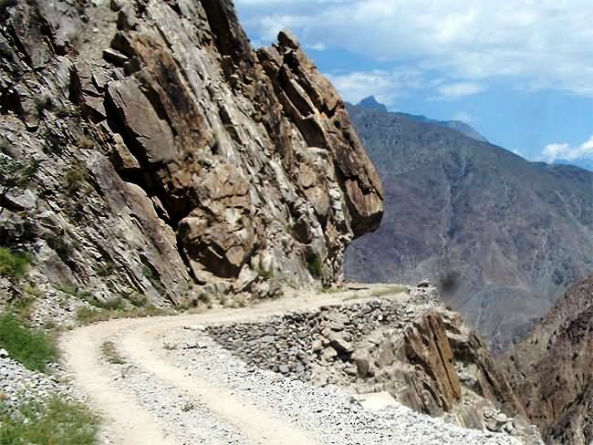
(520,72)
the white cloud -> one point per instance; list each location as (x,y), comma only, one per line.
(554,152)
(386,86)
(319,46)
(463,116)
(460,89)
(542,44)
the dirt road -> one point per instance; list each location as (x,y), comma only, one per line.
(127,421)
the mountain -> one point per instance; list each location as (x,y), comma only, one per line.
(370,103)
(585,163)
(551,370)
(169,161)
(501,236)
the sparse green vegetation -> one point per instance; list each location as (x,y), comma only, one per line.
(13,264)
(75,291)
(187,407)
(62,247)
(75,177)
(106,270)
(136,298)
(152,275)
(23,306)
(56,422)
(85,142)
(315,265)
(115,303)
(33,349)
(110,353)
(42,103)
(88,315)
(265,274)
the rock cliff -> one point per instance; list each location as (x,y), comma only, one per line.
(173,159)
(551,370)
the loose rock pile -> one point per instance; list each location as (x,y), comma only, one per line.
(19,385)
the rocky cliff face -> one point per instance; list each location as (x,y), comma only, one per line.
(551,370)
(172,154)
(502,237)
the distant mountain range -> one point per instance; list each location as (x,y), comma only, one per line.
(501,236)
(587,164)
(370,103)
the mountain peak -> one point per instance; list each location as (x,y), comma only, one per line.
(371,103)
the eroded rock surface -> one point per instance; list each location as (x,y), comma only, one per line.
(552,369)
(173,154)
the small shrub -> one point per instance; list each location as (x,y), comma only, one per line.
(62,247)
(86,315)
(75,177)
(31,348)
(315,265)
(152,275)
(13,264)
(23,306)
(106,270)
(75,291)
(136,298)
(85,142)
(43,103)
(265,274)
(187,407)
(34,291)
(5,144)
(116,303)
(57,421)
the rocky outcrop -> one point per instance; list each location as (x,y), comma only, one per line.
(425,356)
(176,161)
(552,369)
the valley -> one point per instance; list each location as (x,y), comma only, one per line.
(502,237)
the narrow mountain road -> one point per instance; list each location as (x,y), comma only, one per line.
(173,385)
(126,421)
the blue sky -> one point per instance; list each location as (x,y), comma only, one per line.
(520,72)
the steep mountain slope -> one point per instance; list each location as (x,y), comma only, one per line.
(552,369)
(172,160)
(502,237)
